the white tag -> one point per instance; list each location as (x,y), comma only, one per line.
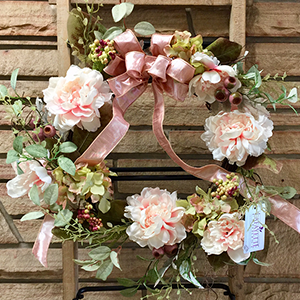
(254,239)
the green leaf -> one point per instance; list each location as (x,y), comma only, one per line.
(152,276)
(67,165)
(112,32)
(121,11)
(256,261)
(126,282)
(100,253)
(114,259)
(254,73)
(83,262)
(36,150)
(293,95)
(129,292)
(17,107)
(144,28)
(32,216)
(51,194)
(12,156)
(67,147)
(13,78)
(225,50)
(104,205)
(3,91)
(63,218)
(91,268)
(19,170)
(18,144)
(98,35)
(34,195)
(105,270)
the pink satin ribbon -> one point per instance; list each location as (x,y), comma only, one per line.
(42,242)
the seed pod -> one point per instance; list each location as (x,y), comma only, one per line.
(158,253)
(230,82)
(235,98)
(221,94)
(171,250)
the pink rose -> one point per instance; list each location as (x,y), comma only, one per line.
(76,99)
(156,218)
(226,234)
(34,173)
(236,135)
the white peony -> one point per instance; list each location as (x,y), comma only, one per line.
(76,99)
(226,234)
(156,218)
(235,135)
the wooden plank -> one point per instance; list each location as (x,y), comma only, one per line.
(237,23)
(27,18)
(157,2)
(30,62)
(236,281)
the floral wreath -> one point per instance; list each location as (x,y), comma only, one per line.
(60,146)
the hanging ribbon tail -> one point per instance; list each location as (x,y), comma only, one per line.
(42,242)
(286,212)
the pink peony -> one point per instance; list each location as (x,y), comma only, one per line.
(205,84)
(34,173)
(76,99)
(236,135)
(156,218)
(226,234)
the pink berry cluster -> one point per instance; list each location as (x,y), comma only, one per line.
(86,215)
(47,132)
(103,51)
(223,94)
(226,189)
(169,250)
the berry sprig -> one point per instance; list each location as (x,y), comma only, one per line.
(226,189)
(86,214)
(102,51)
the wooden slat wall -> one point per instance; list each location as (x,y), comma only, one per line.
(28,31)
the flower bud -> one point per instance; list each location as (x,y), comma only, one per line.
(221,94)
(171,250)
(39,137)
(230,82)
(158,253)
(49,131)
(235,98)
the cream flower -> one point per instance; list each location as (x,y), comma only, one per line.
(34,173)
(226,234)
(236,135)
(205,84)
(156,218)
(76,99)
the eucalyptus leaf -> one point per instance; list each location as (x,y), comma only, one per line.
(32,216)
(12,156)
(105,270)
(100,253)
(293,95)
(114,258)
(83,262)
(19,170)
(98,35)
(67,165)
(144,28)
(121,11)
(256,261)
(63,218)
(34,195)
(112,32)
(3,91)
(13,78)
(91,268)
(67,147)
(17,107)
(51,194)
(126,282)
(36,150)
(18,144)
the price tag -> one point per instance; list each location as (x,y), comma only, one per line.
(254,239)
